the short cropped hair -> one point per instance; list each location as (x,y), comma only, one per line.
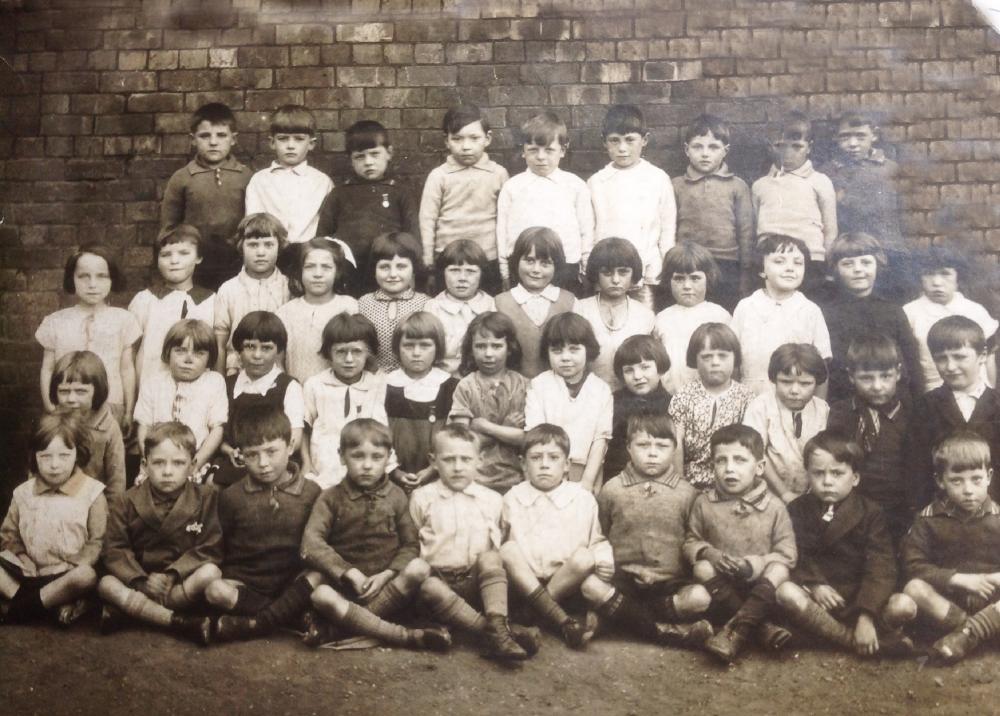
(796,125)
(262,326)
(348,328)
(177,433)
(342,267)
(611,253)
(80,367)
(856,118)
(544,128)
(213,113)
(292,119)
(399,243)
(842,448)
(419,325)
(546,244)
(461,116)
(179,234)
(546,433)
(498,325)
(797,357)
(94,249)
(636,349)
(656,426)
(202,339)
(259,424)
(936,258)
(739,434)
(855,243)
(688,257)
(955,333)
(872,351)
(458,252)
(961,450)
(565,329)
(68,425)
(717,336)
(777,244)
(705,124)
(362,430)
(260,226)
(623,119)
(366,134)
(455,431)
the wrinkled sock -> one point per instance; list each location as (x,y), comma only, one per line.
(493,591)
(138,606)
(388,601)
(287,606)
(984,625)
(361,621)
(452,610)
(543,603)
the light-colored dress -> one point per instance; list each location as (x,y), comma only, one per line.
(639,320)
(304,323)
(673,327)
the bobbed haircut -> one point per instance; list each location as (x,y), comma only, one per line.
(797,357)
(705,124)
(179,234)
(542,129)
(348,328)
(872,351)
(177,433)
(342,267)
(366,134)
(738,435)
(419,325)
(853,244)
(636,349)
(69,426)
(495,324)
(655,426)
(611,253)
(362,430)
(565,329)
(399,243)
(623,119)
(546,433)
(213,113)
(94,249)
(936,258)
(458,252)
(715,336)
(961,450)
(841,447)
(769,244)
(292,119)
(259,424)
(461,116)
(546,244)
(260,226)
(80,367)
(955,333)
(688,257)
(201,335)
(262,326)
(455,431)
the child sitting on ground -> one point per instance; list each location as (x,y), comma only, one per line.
(163,542)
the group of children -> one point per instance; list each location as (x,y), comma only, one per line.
(319,444)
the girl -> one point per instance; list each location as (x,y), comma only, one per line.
(460,268)
(614,267)
(712,401)
(417,395)
(323,265)
(399,272)
(91,274)
(79,382)
(52,534)
(535,259)
(491,397)
(690,272)
(188,391)
(350,388)
(571,396)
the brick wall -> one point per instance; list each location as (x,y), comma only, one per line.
(95,97)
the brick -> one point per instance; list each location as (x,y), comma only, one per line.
(304,77)
(387,98)
(641,94)
(422,118)
(518,95)
(248,78)
(128,81)
(666,25)
(603,29)
(398,53)
(597,51)
(304,34)
(162,60)
(419,76)
(42,61)
(540,29)
(102,60)
(132,60)
(115,146)
(366,54)
(508,51)
(262,57)
(134,40)
(365,32)
(193,59)
(74,39)
(63,124)
(479,30)
(338,98)
(191,39)
(70,82)
(188,80)
(50,104)
(426,31)
(487,74)
(428,53)
(670,71)
(158,102)
(365,76)
(222,57)
(550,73)
(269,100)
(231,98)
(579,94)
(464,52)
(305,56)
(607,72)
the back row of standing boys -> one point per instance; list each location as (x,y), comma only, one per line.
(533,356)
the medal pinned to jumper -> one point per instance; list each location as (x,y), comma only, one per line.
(385,201)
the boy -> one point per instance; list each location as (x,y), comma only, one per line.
(554,539)
(362,540)
(857,263)
(867,201)
(879,422)
(714,208)
(177,254)
(941,269)
(209,193)
(796,200)
(847,566)
(458,522)
(290,189)
(545,195)
(633,199)
(163,541)
(460,196)
(370,203)
(778,313)
(263,585)
(951,556)
(741,543)
(789,416)
(260,286)
(959,351)
(643,511)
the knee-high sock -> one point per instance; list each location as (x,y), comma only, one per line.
(451,609)
(388,601)
(493,590)
(361,621)
(630,613)
(757,606)
(287,606)
(138,606)
(725,600)
(543,603)
(984,625)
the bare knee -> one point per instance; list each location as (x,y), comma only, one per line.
(900,609)
(792,597)
(314,578)
(327,599)
(219,594)
(595,590)
(416,572)
(107,586)
(206,574)
(703,571)
(919,591)
(775,573)
(694,599)
(581,561)
(83,577)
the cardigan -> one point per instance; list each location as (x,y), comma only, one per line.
(528,334)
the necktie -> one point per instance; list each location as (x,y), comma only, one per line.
(184,309)
(347,403)
(797,423)
(828,515)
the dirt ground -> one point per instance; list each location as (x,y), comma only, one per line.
(139,671)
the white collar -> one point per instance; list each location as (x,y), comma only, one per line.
(422,390)
(328,377)
(561,495)
(449,304)
(473,490)
(522,295)
(975,392)
(249,281)
(258,386)
(804,172)
(298,169)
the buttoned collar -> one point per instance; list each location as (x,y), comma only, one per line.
(380,295)
(229,164)
(612,171)
(452,165)
(480,303)
(722,172)
(298,170)
(630,478)
(803,172)
(197,294)
(101,419)
(71,487)
(446,493)
(975,392)
(943,507)
(293,484)
(757,497)
(380,489)
(561,495)
(365,382)
(255,386)
(522,295)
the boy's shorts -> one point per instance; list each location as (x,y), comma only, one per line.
(249,602)
(464,582)
(658,591)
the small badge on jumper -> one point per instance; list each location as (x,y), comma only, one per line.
(385,201)
(195,527)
